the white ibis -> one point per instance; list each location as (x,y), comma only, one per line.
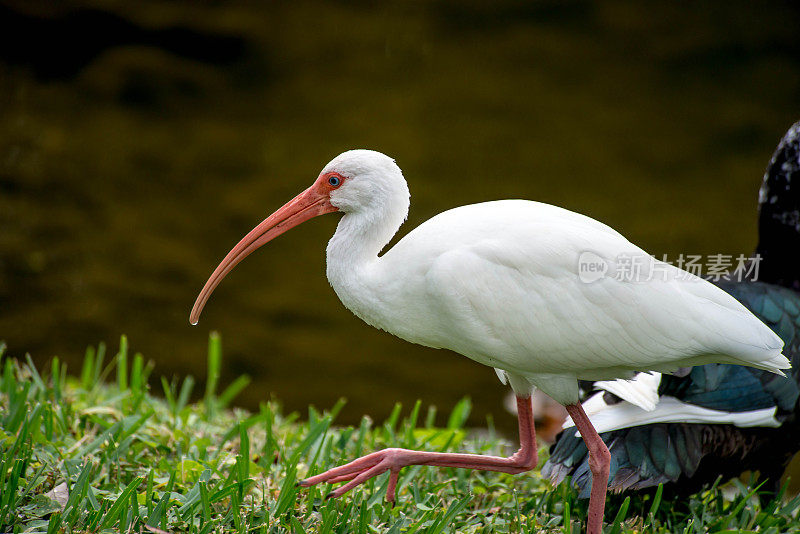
(500,283)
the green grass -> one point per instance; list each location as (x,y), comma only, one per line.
(101,451)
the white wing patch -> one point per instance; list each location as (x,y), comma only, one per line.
(641,391)
(606,418)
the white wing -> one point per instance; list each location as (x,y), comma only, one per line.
(499,282)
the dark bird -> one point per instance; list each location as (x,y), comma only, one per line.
(688,429)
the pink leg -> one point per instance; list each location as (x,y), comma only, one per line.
(360,470)
(599,463)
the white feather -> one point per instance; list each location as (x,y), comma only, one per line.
(642,390)
(605,417)
(501,375)
(594,404)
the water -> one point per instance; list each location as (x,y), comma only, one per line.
(129,166)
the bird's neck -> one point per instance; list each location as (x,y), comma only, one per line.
(353,265)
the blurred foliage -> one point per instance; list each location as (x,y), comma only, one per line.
(140,140)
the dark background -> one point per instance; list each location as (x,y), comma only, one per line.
(140,140)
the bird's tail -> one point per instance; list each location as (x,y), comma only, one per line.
(636,462)
(734,334)
(774,365)
(684,457)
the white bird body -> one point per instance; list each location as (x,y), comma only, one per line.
(498,282)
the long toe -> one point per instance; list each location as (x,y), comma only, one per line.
(391,489)
(343,472)
(360,479)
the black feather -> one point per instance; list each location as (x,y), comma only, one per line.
(779,216)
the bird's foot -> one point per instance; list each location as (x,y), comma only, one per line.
(359,471)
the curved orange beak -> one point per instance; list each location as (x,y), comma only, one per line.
(310,203)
